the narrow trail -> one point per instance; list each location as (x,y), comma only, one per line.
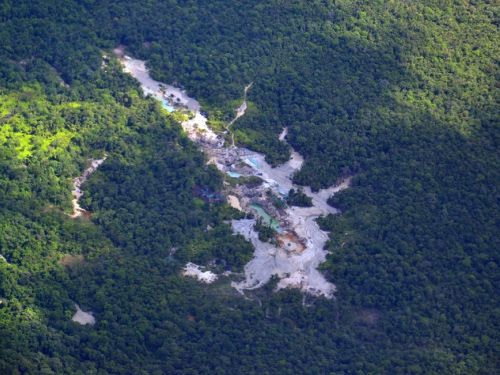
(79,181)
(3,258)
(240,111)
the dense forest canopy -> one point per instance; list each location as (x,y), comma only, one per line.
(402,96)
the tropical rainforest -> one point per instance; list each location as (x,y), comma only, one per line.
(402,96)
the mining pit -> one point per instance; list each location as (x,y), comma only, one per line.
(298,249)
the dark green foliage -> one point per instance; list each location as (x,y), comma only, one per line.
(277,201)
(266,232)
(404,95)
(147,206)
(298,198)
(252,182)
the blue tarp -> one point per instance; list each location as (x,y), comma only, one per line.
(253,162)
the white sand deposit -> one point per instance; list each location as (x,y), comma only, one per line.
(83,317)
(138,69)
(194,270)
(79,181)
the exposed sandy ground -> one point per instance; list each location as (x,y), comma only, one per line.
(290,242)
(137,68)
(283,134)
(198,131)
(296,269)
(194,270)
(234,202)
(83,317)
(260,269)
(79,181)
(213,160)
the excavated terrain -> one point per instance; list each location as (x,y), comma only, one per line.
(297,250)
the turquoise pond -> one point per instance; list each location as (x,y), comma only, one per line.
(164,104)
(233,174)
(275,224)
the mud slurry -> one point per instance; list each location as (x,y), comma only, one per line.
(297,251)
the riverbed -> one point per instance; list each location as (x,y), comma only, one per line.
(295,261)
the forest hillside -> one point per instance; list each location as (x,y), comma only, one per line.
(403,96)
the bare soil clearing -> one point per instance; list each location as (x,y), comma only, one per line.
(83,317)
(300,250)
(138,69)
(78,182)
(234,202)
(194,270)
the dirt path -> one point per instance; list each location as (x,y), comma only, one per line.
(240,111)
(3,258)
(79,181)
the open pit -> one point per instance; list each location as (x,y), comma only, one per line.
(300,241)
(291,243)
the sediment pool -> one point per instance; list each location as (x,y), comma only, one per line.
(273,223)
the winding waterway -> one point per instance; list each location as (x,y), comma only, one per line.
(296,268)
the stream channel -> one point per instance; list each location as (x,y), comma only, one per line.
(301,241)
